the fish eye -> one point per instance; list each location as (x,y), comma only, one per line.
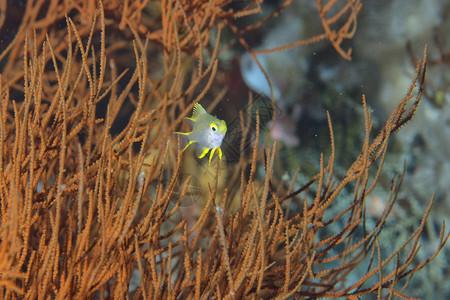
(213,127)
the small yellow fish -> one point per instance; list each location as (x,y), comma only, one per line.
(207,131)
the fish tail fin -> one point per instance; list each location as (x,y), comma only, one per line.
(190,142)
(183,133)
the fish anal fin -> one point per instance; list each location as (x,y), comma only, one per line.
(205,151)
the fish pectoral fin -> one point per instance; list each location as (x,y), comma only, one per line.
(190,142)
(205,151)
(211,154)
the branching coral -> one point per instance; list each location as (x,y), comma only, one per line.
(83,213)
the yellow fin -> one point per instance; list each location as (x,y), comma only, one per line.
(183,133)
(190,142)
(219,152)
(205,150)
(211,154)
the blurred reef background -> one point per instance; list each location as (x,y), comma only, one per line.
(98,201)
(310,80)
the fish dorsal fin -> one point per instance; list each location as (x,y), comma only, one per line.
(198,111)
